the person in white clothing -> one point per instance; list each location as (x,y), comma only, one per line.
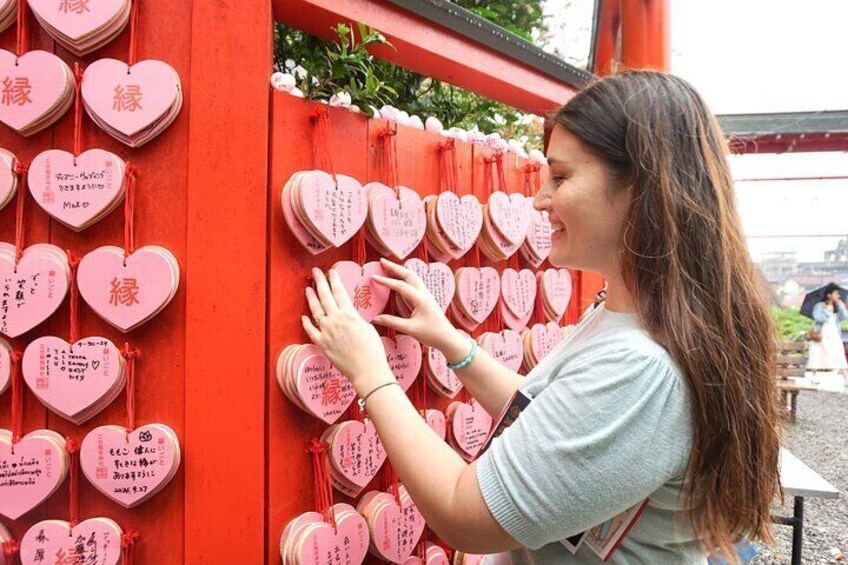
(828,353)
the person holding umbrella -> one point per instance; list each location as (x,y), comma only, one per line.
(826,306)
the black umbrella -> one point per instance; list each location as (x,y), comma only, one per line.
(815,296)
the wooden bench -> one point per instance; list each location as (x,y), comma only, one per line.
(791,369)
(800,482)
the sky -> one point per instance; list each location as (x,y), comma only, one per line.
(761,56)
(758,56)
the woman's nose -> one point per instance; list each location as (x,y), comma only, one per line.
(542,200)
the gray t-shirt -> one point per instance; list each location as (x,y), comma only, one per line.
(609,426)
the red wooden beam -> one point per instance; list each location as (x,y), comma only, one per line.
(790,143)
(645,34)
(432,50)
(606,36)
(225,268)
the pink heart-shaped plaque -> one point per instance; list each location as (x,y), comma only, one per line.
(506,347)
(510,215)
(368,297)
(398,219)
(5,366)
(70,380)
(397,529)
(127,292)
(129,99)
(96,540)
(437,277)
(437,366)
(129,467)
(433,555)
(436,420)
(357,451)
(321,387)
(30,471)
(556,289)
(470,427)
(76,190)
(337,209)
(404,356)
(461,219)
(76,19)
(33,88)
(544,339)
(477,291)
(32,291)
(518,289)
(319,542)
(539,232)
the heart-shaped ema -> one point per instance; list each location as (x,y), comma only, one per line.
(82,26)
(505,347)
(127,292)
(460,219)
(37,89)
(395,528)
(331,208)
(510,215)
(404,356)
(396,219)
(537,244)
(8,177)
(77,190)
(437,422)
(356,453)
(518,297)
(130,467)
(96,540)
(311,382)
(477,292)
(31,470)
(367,296)
(440,378)
(468,428)
(437,278)
(311,243)
(33,288)
(433,555)
(5,365)
(539,341)
(309,540)
(556,292)
(75,381)
(133,103)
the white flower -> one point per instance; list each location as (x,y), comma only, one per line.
(282,81)
(300,72)
(432,124)
(290,64)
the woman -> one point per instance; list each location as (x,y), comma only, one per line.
(664,392)
(828,353)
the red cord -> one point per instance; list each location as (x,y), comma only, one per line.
(17,397)
(74,262)
(130,355)
(23,28)
(133,54)
(129,210)
(128,541)
(77,112)
(21,170)
(73,447)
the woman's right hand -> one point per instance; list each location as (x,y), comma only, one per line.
(427,323)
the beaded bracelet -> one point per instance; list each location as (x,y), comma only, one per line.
(468,359)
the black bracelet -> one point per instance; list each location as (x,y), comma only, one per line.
(367,396)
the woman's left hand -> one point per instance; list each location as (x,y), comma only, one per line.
(350,343)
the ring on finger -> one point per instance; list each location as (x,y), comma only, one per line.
(320,317)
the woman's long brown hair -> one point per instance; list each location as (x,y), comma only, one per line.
(685,261)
